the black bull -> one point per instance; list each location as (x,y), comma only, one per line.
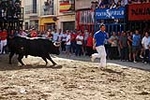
(34,47)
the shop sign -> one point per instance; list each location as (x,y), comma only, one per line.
(139,12)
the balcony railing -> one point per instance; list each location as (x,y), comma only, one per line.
(29,9)
(47,10)
(44,10)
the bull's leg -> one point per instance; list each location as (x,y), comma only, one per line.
(20,59)
(44,58)
(49,58)
(10,56)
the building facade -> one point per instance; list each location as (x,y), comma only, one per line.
(66,15)
(31,13)
(139,17)
(84,15)
(49,14)
(92,14)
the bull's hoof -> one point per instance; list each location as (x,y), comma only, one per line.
(54,64)
(21,65)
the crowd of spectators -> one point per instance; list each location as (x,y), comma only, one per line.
(126,46)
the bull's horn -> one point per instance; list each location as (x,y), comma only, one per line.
(56,44)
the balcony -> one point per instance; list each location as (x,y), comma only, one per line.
(30,10)
(47,10)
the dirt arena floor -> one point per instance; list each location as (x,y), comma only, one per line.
(71,80)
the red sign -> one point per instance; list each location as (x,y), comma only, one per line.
(139,12)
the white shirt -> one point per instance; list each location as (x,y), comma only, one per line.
(59,36)
(64,36)
(55,36)
(80,38)
(86,35)
(68,40)
(145,42)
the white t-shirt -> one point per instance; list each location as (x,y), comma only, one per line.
(59,36)
(64,36)
(145,42)
(55,36)
(80,38)
(68,40)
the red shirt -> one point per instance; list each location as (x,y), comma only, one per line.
(34,34)
(73,37)
(3,35)
(89,41)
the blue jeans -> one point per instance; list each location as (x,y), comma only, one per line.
(79,50)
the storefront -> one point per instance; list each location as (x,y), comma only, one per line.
(85,20)
(47,23)
(66,22)
(66,15)
(114,19)
(139,17)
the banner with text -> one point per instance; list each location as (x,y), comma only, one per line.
(110,13)
(139,11)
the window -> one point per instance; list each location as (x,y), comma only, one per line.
(49,7)
(34,6)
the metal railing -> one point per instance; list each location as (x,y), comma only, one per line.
(40,11)
(29,9)
(47,10)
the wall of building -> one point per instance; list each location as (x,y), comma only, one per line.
(44,20)
(82,4)
(31,17)
(64,17)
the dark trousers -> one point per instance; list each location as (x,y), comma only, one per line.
(78,50)
(124,53)
(73,46)
(146,55)
(114,53)
(63,46)
(149,57)
(107,48)
(89,50)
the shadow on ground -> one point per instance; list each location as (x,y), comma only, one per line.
(5,66)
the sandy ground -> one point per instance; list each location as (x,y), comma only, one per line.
(71,80)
